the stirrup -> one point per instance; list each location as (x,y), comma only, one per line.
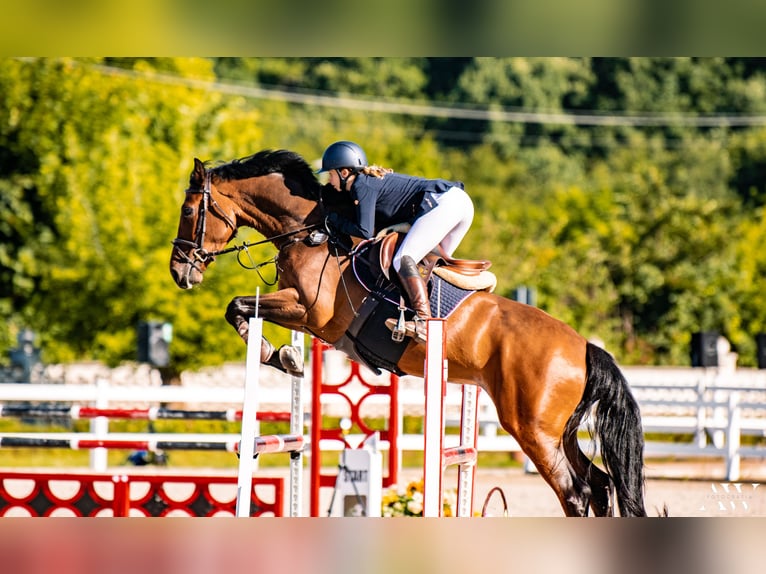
(415,329)
(397,332)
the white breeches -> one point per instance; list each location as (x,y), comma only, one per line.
(447,223)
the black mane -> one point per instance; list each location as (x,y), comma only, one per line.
(288,163)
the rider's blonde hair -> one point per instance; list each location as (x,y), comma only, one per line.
(375,170)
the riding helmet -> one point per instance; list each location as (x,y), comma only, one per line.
(343,154)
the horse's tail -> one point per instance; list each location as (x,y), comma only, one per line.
(616,426)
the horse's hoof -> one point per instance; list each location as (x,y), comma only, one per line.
(292,360)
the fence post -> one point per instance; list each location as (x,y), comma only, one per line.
(733,428)
(121,499)
(99,426)
(469,414)
(249,413)
(433,426)
(701,433)
(296,428)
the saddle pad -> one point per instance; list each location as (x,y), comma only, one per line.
(445,297)
(370,337)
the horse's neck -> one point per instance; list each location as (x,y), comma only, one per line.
(268,206)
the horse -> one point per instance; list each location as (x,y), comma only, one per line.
(544,378)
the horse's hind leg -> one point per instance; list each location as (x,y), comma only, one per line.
(601,489)
(598,481)
(548,456)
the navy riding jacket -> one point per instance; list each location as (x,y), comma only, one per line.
(384,201)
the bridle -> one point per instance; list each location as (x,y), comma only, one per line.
(197,253)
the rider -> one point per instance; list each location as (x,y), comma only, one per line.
(439,211)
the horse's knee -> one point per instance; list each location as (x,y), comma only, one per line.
(236,315)
(235,312)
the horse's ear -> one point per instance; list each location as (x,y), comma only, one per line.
(198,173)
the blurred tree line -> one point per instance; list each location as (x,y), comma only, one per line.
(629,192)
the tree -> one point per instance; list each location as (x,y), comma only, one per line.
(636,234)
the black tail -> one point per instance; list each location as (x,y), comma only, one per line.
(616,426)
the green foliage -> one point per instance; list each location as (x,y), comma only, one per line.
(635,233)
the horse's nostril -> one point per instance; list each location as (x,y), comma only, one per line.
(178,277)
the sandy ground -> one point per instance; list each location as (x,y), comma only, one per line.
(688,489)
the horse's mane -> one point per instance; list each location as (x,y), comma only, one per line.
(264,162)
(286,162)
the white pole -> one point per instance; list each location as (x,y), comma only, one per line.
(99,426)
(249,414)
(468,430)
(296,428)
(433,435)
(733,430)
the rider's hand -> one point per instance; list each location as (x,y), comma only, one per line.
(332,222)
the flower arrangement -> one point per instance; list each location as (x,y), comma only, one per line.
(410,502)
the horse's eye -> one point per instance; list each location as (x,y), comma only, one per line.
(188,211)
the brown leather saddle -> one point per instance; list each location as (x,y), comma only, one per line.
(388,244)
(368,339)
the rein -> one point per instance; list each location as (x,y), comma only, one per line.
(246,244)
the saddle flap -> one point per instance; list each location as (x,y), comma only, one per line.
(387,248)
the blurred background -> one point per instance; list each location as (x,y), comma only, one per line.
(638,229)
(625,194)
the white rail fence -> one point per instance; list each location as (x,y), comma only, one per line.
(686,412)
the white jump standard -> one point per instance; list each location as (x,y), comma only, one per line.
(436,457)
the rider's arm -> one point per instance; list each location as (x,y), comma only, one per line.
(340,223)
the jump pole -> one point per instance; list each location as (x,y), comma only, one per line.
(250,444)
(296,429)
(77,412)
(435,456)
(249,413)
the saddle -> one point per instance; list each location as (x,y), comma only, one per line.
(450,282)
(464,273)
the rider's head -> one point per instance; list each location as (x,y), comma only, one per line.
(343,155)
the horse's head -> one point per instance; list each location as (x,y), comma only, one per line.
(207,224)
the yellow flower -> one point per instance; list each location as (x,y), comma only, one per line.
(414,487)
(410,502)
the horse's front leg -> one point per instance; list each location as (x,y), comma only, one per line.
(279,307)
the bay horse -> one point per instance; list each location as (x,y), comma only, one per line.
(543,377)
